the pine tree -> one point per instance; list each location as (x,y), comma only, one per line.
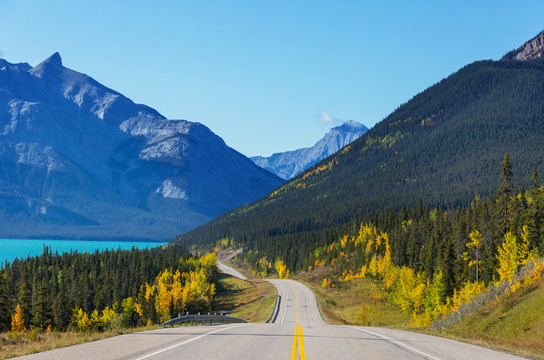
(505,189)
(24,297)
(61,311)
(447,264)
(534,178)
(5,304)
(42,309)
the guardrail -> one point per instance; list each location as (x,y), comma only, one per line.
(275,311)
(204,319)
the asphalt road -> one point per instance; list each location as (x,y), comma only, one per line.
(298,332)
(228,270)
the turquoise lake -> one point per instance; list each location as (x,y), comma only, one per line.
(21,248)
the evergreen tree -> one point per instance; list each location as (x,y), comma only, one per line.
(534,178)
(24,297)
(505,190)
(5,304)
(42,309)
(61,311)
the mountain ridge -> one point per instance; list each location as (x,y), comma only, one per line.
(441,148)
(289,164)
(530,50)
(80,160)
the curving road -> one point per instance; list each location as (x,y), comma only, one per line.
(298,332)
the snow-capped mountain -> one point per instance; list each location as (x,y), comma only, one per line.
(79,160)
(289,164)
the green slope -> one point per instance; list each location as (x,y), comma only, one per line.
(443,146)
(514,323)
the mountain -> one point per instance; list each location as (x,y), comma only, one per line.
(289,164)
(443,147)
(80,160)
(530,50)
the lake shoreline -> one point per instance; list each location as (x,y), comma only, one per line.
(11,249)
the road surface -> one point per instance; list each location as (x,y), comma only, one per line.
(228,270)
(298,332)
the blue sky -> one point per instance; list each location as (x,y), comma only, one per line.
(264,75)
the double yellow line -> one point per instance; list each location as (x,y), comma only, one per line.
(295,340)
(299,332)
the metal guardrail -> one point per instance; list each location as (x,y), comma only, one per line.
(204,319)
(275,311)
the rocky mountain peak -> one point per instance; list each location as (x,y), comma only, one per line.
(350,126)
(291,163)
(51,64)
(54,60)
(531,50)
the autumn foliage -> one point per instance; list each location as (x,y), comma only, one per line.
(173,292)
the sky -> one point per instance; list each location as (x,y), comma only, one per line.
(267,76)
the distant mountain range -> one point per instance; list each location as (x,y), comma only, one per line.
(289,164)
(79,160)
(443,148)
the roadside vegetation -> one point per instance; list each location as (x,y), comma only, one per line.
(14,344)
(513,322)
(57,300)
(355,302)
(252,300)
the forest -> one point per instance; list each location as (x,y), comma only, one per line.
(432,260)
(104,290)
(441,148)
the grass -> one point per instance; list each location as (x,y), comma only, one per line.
(30,342)
(514,322)
(353,302)
(252,300)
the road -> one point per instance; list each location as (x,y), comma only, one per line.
(298,332)
(228,270)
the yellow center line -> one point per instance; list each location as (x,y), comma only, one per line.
(294,351)
(302,354)
(297,330)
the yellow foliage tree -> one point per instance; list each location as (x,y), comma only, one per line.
(466,293)
(82,320)
(508,257)
(473,253)
(373,265)
(326,282)
(17,320)
(107,315)
(281,269)
(524,250)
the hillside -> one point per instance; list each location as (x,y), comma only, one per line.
(444,146)
(289,164)
(511,323)
(80,160)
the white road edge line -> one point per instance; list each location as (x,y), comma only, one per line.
(396,342)
(307,303)
(285,306)
(187,341)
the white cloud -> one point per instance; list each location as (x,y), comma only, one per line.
(327,118)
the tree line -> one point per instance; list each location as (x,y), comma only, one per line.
(109,289)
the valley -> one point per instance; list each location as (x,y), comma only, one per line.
(421,237)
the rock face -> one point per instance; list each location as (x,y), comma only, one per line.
(79,160)
(289,164)
(531,50)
